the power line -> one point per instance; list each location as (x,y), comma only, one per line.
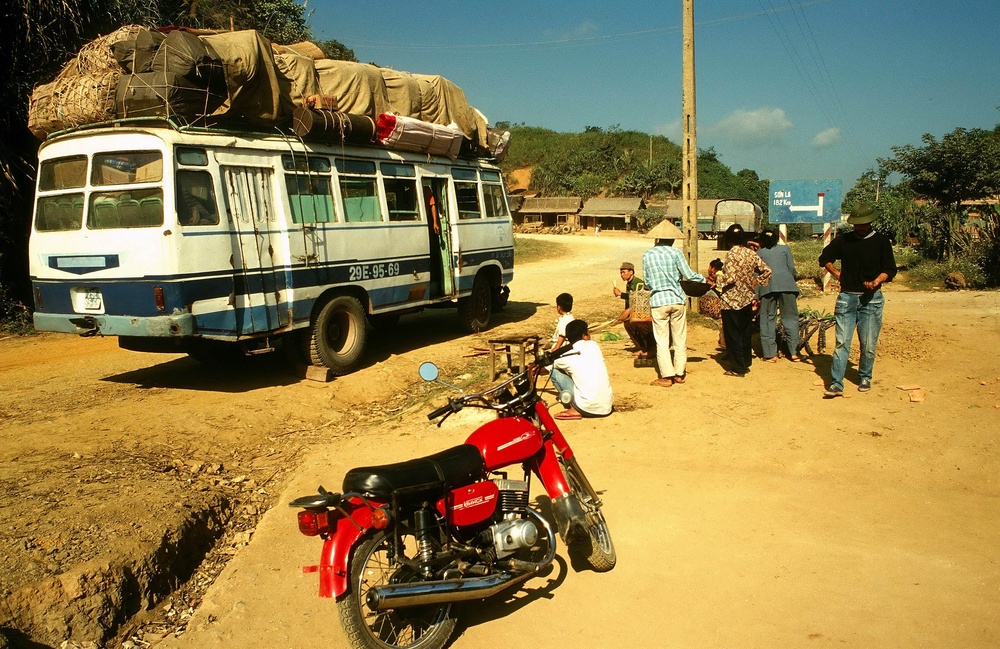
(576,41)
(803,69)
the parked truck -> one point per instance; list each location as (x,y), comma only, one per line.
(727,212)
(735,211)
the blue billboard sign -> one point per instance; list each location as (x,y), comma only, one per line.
(805,201)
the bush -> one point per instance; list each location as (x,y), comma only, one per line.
(15,318)
(646,219)
(926,273)
(982,248)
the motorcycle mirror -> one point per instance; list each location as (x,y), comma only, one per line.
(566,397)
(428,371)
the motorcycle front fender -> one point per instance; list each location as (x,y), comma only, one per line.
(336,556)
(549,471)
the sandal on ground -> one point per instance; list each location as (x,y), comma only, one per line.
(732,373)
(678,379)
(663,383)
(795,359)
(566,414)
(773,359)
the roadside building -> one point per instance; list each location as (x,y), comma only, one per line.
(548,212)
(610,213)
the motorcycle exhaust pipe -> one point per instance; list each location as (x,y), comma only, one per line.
(446,591)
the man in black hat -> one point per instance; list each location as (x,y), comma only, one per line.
(866,262)
(639,330)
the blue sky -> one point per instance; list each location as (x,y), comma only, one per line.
(792,89)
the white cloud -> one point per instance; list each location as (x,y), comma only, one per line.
(828,138)
(751,129)
(582,30)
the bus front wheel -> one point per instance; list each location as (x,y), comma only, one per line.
(338,335)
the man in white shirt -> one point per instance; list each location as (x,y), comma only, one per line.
(583,373)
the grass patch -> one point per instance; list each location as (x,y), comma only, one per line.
(527,250)
(805,253)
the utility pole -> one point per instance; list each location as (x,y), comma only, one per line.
(689,172)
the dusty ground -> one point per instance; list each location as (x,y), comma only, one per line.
(747,512)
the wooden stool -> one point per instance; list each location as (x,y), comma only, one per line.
(506,346)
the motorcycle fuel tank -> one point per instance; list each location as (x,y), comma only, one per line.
(506,441)
(470,504)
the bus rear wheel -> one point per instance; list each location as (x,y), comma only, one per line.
(474,311)
(338,335)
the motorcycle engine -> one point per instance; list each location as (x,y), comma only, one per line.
(513,532)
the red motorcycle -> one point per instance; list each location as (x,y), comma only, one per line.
(405,541)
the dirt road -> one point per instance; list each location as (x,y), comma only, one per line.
(746,512)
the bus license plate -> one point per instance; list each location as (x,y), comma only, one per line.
(92,299)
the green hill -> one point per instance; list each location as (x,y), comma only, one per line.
(616,163)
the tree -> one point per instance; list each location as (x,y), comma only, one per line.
(963,166)
(42,36)
(281,21)
(899,217)
(336,50)
(753,187)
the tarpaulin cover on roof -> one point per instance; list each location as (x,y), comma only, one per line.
(211,77)
(358,87)
(251,78)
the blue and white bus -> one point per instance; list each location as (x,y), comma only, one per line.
(190,240)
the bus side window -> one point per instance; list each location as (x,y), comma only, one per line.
(360,200)
(401,196)
(196,198)
(310,198)
(468,200)
(496,206)
(399,180)
(359,191)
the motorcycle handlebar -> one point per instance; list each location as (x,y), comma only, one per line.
(443,410)
(486,400)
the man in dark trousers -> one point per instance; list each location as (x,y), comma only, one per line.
(866,262)
(640,331)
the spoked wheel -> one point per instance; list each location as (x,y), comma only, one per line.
(338,336)
(418,627)
(596,549)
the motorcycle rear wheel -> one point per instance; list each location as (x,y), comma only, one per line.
(596,549)
(418,627)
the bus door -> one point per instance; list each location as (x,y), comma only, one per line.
(437,207)
(256,232)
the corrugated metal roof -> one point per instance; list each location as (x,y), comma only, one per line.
(612,206)
(552,205)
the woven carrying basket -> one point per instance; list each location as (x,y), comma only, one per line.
(638,301)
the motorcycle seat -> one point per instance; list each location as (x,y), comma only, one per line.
(454,466)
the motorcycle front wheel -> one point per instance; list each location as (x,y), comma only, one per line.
(596,549)
(418,627)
